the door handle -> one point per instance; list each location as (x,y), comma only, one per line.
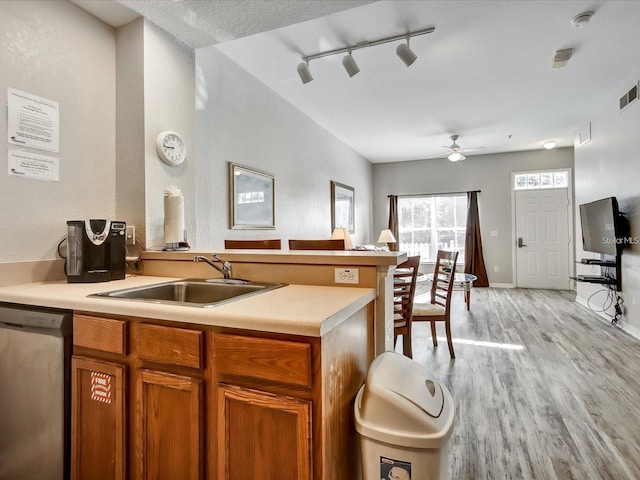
(520,244)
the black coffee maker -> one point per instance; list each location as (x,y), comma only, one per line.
(96,250)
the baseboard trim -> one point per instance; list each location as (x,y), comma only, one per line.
(630,329)
(502,285)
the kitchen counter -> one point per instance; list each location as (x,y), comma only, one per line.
(308,310)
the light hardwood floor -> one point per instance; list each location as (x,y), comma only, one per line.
(554,393)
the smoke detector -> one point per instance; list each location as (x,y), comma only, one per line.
(582,19)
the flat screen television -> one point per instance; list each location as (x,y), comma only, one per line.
(602,226)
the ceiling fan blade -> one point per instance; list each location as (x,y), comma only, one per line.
(439,155)
(471,149)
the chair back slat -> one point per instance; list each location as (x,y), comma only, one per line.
(272,244)
(404,288)
(443,278)
(334,244)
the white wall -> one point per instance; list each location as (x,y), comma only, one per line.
(169,104)
(489,173)
(609,165)
(240,120)
(60,52)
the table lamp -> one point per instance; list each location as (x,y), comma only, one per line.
(386,237)
(343,234)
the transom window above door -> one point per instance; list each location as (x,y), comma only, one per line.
(428,223)
(536,180)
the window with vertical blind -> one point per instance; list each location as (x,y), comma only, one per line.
(428,223)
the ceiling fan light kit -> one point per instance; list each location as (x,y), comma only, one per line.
(456,156)
(403,51)
(549,144)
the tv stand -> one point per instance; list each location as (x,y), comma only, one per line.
(597,261)
(609,271)
(596,279)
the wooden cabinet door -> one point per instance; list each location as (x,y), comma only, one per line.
(98,420)
(262,436)
(169,426)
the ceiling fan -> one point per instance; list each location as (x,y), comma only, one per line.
(455,152)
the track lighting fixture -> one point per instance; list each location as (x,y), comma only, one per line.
(350,65)
(403,51)
(304,72)
(406,54)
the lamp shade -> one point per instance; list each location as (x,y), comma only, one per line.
(386,236)
(343,234)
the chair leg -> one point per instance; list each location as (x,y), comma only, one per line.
(449,340)
(434,336)
(406,345)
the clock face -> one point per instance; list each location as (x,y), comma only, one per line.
(171,148)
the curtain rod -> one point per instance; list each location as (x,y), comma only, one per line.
(434,194)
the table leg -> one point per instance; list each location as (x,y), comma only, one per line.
(467,298)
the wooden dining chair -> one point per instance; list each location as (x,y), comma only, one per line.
(404,289)
(274,244)
(316,244)
(439,310)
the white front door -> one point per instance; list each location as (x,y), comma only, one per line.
(542,238)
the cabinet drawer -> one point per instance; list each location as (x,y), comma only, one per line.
(175,346)
(99,333)
(264,358)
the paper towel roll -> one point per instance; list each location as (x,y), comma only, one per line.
(173,215)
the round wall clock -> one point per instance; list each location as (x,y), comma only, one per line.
(171,148)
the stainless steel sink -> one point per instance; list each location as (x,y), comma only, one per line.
(192,292)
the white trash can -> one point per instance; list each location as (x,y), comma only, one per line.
(404,418)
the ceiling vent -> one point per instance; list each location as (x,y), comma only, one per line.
(562,57)
(629,97)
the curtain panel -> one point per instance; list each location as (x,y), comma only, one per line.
(393,222)
(473,257)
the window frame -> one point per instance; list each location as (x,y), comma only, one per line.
(433,226)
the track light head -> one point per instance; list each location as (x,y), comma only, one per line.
(304,73)
(350,65)
(406,54)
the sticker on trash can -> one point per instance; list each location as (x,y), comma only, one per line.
(394,469)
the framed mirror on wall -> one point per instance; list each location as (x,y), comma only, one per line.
(343,207)
(252,198)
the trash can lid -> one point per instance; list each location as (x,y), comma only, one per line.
(401,403)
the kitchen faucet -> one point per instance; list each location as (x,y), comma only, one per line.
(225,269)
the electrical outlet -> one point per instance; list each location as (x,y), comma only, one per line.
(496,268)
(131,235)
(346,275)
(494,233)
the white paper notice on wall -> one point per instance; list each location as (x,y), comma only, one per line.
(33,121)
(31,165)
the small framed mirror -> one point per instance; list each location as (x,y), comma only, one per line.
(342,207)
(252,198)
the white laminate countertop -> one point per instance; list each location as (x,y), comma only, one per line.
(294,309)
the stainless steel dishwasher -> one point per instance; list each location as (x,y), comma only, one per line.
(35,402)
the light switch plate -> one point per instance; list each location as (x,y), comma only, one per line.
(131,235)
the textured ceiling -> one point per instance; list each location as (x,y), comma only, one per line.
(200,23)
(484,74)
